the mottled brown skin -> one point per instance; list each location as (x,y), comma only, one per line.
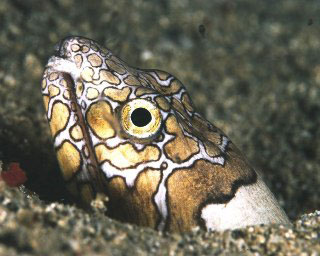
(126,204)
(199,189)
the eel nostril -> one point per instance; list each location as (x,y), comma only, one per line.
(61,47)
(56,48)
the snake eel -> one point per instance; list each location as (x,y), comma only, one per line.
(134,135)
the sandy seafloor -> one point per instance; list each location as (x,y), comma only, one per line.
(254,72)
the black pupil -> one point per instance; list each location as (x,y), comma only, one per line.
(140,117)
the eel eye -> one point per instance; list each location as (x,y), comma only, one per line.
(140,119)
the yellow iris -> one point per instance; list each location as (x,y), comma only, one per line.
(140,119)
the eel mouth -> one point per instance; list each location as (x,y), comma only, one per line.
(89,171)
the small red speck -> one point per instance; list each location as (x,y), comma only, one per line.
(14,176)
